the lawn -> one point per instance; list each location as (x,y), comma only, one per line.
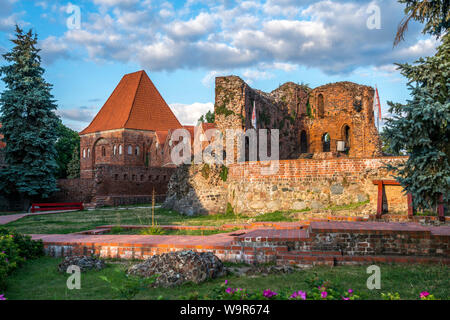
(62,223)
(39,279)
(70,222)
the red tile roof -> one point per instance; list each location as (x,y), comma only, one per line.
(134,104)
(2,144)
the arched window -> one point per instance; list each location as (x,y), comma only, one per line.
(320,106)
(103,151)
(84,153)
(303,142)
(120,149)
(115,150)
(89,153)
(130,149)
(136,151)
(346,135)
(326,140)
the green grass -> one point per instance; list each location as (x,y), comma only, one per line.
(63,223)
(351,206)
(39,279)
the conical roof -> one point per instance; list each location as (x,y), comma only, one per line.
(134,104)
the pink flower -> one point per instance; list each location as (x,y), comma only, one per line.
(226,281)
(2,297)
(345,298)
(350,291)
(229,290)
(299,294)
(324,294)
(269,293)
(424,294)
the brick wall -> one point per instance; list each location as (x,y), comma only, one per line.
(73,190)
(307,183)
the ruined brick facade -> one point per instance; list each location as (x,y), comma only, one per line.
(310,122)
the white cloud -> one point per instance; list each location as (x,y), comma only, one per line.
(196,27)
(251,74)
(188,114)
(329,35)
(82,114)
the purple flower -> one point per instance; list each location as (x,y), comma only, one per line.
(269,293)
(299,294)
(2,297)
(350,291)
(324,294)
(226,281)
(424,294)
(229,290)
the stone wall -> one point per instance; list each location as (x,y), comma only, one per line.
(197,189)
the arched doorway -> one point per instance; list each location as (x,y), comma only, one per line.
(303,142)
(346,135)
(326,142)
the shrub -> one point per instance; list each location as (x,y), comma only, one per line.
(224,173)
(15,249)
(152,231)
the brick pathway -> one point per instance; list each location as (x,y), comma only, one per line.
(13,217)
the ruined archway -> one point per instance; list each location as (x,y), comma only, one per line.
(303,142)
(326,142)
(346,135)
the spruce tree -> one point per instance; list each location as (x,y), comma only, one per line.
(421,127)
(28,122)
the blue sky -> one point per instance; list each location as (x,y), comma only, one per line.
(183,45)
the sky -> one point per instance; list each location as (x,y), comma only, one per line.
(87,46)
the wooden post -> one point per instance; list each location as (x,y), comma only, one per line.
(410,206)
(380,199)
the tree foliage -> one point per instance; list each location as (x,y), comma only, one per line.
(68,141)
(73,167)
(421,127)
(209,117)
(28,121)
(435,14)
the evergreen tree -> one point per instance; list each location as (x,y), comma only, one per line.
(68,140)
(435,14)
(421,127)
(73,167)
(28,117)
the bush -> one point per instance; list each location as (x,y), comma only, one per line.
(15,249)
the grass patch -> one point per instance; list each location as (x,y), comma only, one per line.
(69,222)
(350,206)
(39,279)
(274,216)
